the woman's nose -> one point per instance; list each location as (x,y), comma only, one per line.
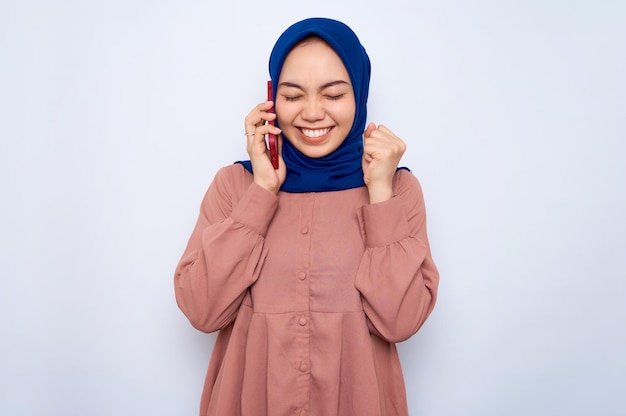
(312,110)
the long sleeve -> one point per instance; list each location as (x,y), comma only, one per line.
(397,277)
(225,252)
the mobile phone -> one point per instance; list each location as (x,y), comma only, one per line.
(272,141)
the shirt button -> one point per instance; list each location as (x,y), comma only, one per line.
(303,366)
(304,230)
(302,321)
(302,275)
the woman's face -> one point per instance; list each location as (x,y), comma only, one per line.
(315,104)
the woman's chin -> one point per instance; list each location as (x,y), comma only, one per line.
(315,151)
(317,147)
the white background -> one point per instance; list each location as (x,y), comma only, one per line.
(115,115)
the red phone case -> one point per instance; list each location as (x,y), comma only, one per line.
(272,142)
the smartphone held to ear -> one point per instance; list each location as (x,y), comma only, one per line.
(272,141)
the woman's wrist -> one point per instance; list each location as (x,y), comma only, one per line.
(265,185)
(380,193)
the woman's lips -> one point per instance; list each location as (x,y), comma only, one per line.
(315,135)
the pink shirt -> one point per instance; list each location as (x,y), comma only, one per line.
(309,291)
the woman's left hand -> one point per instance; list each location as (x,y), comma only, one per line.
(382,151)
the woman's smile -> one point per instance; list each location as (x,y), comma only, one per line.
(315,135)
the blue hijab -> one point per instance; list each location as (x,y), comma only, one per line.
(342,169)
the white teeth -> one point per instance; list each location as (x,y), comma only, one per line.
(315,133)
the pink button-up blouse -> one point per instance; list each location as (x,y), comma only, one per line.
(309,291)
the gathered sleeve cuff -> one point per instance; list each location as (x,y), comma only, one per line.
(256,209)
(384,223)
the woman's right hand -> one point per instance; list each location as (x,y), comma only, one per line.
(256,127)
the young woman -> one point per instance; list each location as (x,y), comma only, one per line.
(312,271)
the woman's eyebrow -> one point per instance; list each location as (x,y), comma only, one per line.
(289,84)
(333,83)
